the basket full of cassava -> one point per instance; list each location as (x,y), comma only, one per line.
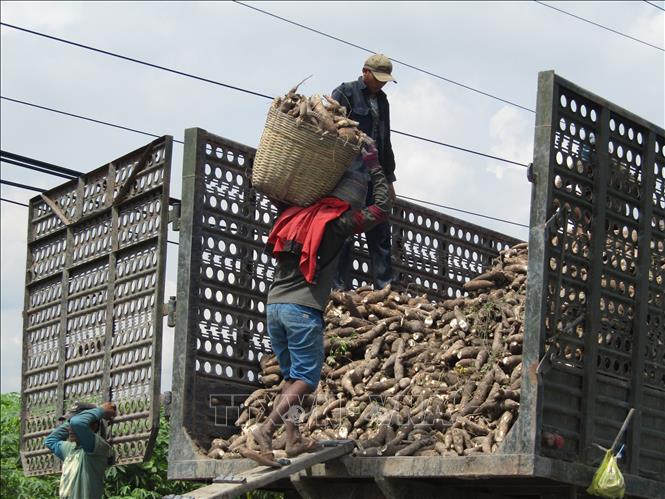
(306,146)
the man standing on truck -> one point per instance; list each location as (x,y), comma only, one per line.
(306,243)
(367,104)
(85,452)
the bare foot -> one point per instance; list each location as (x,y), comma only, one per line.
(301,445)
(263,439)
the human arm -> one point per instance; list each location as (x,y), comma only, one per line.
(388,160)
(55,440)
(355,221)
(342,98)
(80,424)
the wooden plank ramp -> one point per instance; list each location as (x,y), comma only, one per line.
(230,486)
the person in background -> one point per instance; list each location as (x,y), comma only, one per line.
(80,443)
(367,104)
(306,243)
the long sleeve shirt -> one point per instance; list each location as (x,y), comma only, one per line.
(289,284)
(356,97)
(85,461)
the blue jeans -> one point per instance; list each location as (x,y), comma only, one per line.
(380,250)
(296,335)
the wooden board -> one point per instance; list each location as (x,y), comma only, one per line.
(264,475)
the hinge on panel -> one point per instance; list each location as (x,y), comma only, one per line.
(168,309)
(530,175)
(174,215)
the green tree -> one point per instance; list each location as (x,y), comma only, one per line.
(142,481)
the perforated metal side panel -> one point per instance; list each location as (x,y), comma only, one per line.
(223,277)
(93,303)
(603,276)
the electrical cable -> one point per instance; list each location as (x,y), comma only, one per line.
(36,168)
(432,141)
(464,211)
(181,74)
(131,59)
(429,73)
(22,186)
(28,206)
(14,202)
(84,118)
(461,149)
(399,196)
(36,162)
(599,25)
(654,5)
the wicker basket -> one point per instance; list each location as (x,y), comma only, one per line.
(295,163)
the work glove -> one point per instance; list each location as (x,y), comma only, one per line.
(370,157)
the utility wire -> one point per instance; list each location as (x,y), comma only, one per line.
(399,196)
(36,168)
(84,118)
(461,148)
(182,74)
(21,186)
(42,164)
(131,59)
(599,25)
(464,211)
(432,141)
(14,202)
(28,206)
(654,5)
(392,59)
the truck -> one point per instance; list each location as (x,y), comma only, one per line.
(594,320)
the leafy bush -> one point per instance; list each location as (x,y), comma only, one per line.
(142,481)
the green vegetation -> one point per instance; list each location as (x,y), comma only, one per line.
(142,481)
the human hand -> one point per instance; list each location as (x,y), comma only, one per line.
(391,193)
(109,410)
(370,157)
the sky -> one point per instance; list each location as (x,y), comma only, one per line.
(497,48)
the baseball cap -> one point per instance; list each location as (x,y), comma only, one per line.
(380,66)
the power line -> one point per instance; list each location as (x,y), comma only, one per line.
(36,168)
(182,74)
(131,59)
(14,202)
(467,87)
(38,163)
(464,211)
(431,141)
(461,148)
(85,118)
(654,5)
(399,196)
(21,186)
(28,206)
(599,25)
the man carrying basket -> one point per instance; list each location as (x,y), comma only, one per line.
(306,243)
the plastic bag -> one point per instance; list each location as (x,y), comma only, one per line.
(608,481)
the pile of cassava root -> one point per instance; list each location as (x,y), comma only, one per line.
(407,377)
(324,113)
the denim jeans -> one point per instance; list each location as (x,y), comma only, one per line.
(380,250)
(296,335)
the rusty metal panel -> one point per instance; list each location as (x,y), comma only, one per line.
(600,190)
(223,279)
(93,303)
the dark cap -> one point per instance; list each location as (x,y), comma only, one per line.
(75,408)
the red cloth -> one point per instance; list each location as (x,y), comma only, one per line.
(298,226)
